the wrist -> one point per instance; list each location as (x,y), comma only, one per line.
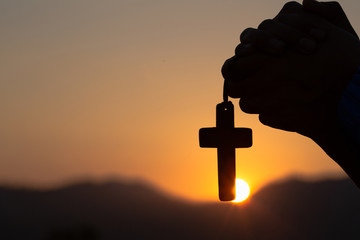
(337,129)
(339,148)
(349,110)
(340,138)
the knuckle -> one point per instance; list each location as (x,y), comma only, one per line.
(234,89)
(265,119)
(243,50)
(233,93)
(283,18)
(335,4)
(248,106)
(231,69)
(245,35)
(292,5)
(226,68)
(265,24)
(238,49)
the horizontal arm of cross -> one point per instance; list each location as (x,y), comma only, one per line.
(232,137)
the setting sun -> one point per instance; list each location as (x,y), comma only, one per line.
(242,190)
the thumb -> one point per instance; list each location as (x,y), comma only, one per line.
(332,12)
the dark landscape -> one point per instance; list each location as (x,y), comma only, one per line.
(291,209)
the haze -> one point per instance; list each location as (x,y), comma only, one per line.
(93,89)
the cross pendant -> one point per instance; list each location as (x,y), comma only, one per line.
(225,137)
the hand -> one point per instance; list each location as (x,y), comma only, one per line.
(297,92)
(289,91)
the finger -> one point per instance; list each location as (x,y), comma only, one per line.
(291,7)
(274,98)
(236,73)
(309,24)
(247,88)
(256,105)
(290,36)
(302,22)
(300,120)
(243,50)
(227,68)
(261,105)
(262,40)
(331,11)
(281,121)
(318,34)
(257,87)
(251,87)
(238,68)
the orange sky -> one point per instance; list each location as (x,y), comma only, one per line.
(120,88)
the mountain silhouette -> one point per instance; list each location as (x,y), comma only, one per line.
(291,209)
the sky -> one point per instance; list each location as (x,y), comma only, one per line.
(120,88)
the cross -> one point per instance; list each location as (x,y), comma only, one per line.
(225,137)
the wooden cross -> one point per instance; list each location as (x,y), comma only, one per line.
(225,137)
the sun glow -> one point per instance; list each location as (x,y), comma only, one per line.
(242,190)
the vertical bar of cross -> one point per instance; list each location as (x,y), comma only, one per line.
(226,152)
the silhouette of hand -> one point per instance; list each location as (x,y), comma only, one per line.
(294,91)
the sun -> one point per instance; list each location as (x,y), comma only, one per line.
(242,190)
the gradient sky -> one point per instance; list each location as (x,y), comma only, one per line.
(121,88)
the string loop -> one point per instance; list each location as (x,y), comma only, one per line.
(225,94)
